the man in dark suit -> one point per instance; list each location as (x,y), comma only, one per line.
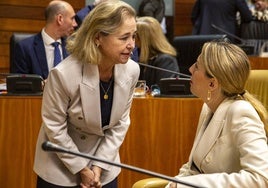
(35,55)
(221,13)
(154,8)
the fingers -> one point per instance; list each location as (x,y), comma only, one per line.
(91,185)
(97,185)
(90,178)
(173,185)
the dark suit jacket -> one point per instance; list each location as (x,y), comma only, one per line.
(31,58)
(81,14)
(153,76)
(153,8)
(221,13)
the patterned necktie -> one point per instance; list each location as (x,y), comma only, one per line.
(57,55)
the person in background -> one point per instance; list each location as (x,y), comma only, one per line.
(35,55)
(154,8)
(87,100)
(230,147)
(154,49)
(221,13)
(81,14)
(260,4)
(259,9)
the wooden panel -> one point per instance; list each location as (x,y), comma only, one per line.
(19,126)
(4,49)
(5,37)
(258,62)
(159,138)
(22,12)
(4,64)
(77,4)
(25,25)
(182,17)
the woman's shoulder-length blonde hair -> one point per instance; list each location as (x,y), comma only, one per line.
(105,19)
(152,39)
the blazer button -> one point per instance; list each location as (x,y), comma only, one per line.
(83,137)
(208,159)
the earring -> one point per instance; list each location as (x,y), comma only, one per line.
(98,45)
(209,96)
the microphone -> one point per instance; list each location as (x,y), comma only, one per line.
(49,146)
(230,34)
(166,70)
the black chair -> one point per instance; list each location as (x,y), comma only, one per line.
(256,30)
(254,33)
(14,39)
(189,47)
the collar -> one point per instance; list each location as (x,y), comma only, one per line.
(47,39)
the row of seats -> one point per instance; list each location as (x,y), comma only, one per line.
(188,48)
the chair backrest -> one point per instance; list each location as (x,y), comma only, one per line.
(14,39)
(189,47)
(150,183)
(256,30)
(257,85)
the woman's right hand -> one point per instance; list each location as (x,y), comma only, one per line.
(172,185)
(87,176)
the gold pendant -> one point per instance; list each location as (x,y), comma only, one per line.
(105,96)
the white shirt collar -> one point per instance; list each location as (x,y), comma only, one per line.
(47,39)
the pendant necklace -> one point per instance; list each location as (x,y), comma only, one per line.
(106,96)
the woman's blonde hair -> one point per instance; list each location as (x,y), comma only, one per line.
(152,39)
(230,65)
(104,19)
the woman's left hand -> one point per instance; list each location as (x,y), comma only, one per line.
(95,180)
(97,173)
(88,179)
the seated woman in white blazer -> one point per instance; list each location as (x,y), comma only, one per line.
(230,147)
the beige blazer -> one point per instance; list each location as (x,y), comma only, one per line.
(72,118)
(230,148)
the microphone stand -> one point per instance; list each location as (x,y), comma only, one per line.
(166,70)
(226,32)
(49,146)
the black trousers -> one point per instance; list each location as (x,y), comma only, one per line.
(43,184)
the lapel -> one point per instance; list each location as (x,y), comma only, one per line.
(210,129)
(40,53)
(122,94)
(90,96)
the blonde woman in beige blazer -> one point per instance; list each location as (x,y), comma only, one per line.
(230,149)
(87,100)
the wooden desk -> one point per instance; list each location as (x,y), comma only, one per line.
(258,62)
(20,120)
(159,139)
(160,136)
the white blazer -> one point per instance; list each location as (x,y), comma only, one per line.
(230,148)
(71,117)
